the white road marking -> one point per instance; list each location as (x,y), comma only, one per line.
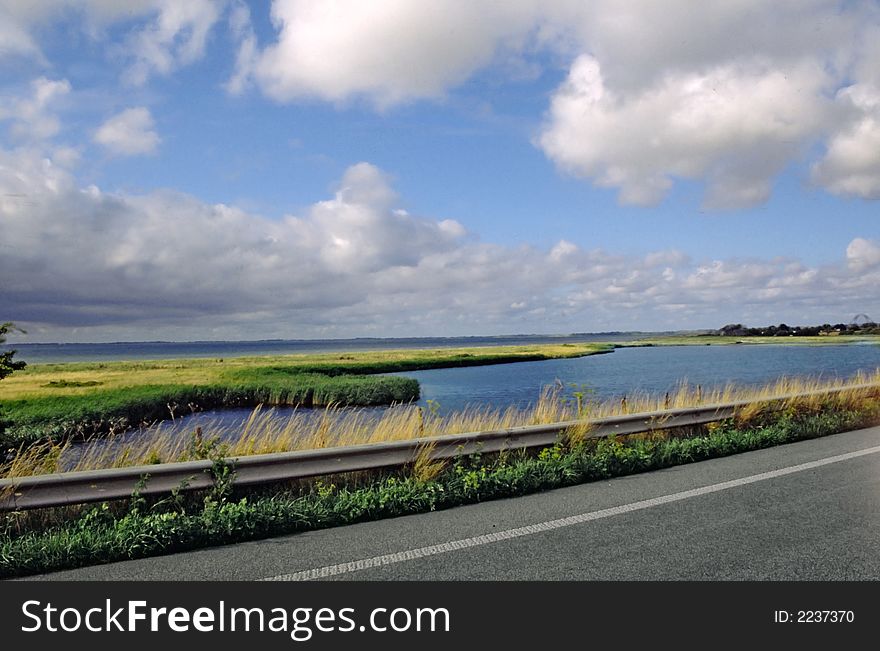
(550,525)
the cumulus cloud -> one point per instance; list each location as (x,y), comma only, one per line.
(638,42)
(726,93)
(390,51)
(175,37)
(863,254)
(79,256)
(117,265)
(736,126)
(851,165)
(129,133)
(32,116)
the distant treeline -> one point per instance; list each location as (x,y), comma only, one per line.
(783,330)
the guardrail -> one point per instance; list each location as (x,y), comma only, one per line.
(63,489)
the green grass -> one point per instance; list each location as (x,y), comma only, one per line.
(104,533)
(110,410)
(66,384)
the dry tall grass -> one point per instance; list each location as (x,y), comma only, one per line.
(266,431)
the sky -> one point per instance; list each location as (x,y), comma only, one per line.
(216,169)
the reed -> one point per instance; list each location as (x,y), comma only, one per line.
(267,432)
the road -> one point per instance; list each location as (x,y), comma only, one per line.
(808,510)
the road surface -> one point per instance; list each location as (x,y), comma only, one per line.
(808,510)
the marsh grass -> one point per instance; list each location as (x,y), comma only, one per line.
(61,401)
(265,431)
(75,378)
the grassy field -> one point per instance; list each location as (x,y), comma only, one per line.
(58,401)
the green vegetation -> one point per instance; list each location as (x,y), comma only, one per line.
(784,330)
(66,384)
(59,401)
(725,340)
(139,529)
(115,410)
(737,333)
(7,364)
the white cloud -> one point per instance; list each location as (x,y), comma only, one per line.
(390,51)
(19,18)
(32,117)
(851,165)
(736,126)
(15,40)
(727,93)
(730,93)
(28,13)
(639,42)
(395,50)
(242,32)
(174,38)
(167,264)
(129,133)
(165,34)
(863,254)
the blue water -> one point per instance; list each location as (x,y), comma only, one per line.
(622,372)
(649,369)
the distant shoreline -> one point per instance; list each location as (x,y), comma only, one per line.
(46,353)
(60,353)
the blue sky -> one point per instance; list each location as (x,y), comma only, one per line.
(210,170)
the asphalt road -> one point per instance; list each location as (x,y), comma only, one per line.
(809,510)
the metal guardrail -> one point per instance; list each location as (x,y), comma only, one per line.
(70,488)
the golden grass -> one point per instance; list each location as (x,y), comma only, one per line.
(266,431)
(34,381)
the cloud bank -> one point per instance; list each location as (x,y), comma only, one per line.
(79,260)
(729,94)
